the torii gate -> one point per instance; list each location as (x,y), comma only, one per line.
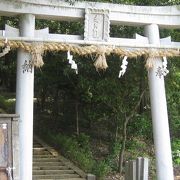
(98,17)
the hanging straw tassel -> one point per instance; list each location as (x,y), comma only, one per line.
(153,54)
(37,53)
(100,63)
(149,63)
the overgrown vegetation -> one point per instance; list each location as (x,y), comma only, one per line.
(176,151)
(6,105)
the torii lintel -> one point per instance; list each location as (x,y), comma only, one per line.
(163,16)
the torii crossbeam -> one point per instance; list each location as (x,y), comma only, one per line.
(97,18)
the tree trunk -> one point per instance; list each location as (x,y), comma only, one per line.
(121,153)
(56,104)
(117,133)
(127,119)
(77,117)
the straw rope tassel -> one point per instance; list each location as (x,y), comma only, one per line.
(149,63)
(100,63)
(37,53)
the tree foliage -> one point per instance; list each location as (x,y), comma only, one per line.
(98,103)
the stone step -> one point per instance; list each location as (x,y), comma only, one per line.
(60,179)
(39,148)
(40,151)
(59,167)
(52,159)
(62,176)
(52,172)
(48,163)
(44,160)
(43,156)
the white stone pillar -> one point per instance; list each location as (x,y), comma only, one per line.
(24,99)
(159,112)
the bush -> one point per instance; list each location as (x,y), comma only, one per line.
(176,151)
(113,157)
(6,105)
(83,141)
(101,169)
(77,151)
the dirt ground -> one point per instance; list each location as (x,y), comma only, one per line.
(177,173)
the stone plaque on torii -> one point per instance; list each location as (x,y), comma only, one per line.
(97,17)
(97,25)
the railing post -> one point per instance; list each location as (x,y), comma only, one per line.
(137,169)
(130,170)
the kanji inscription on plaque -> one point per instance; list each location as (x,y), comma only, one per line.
(97,25)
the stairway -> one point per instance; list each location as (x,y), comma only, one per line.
(49,165)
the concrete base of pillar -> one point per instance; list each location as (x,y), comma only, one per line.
(91,177)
